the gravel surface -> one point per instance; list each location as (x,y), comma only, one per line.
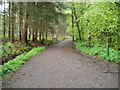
(60,66)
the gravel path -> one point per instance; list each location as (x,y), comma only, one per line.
(60,66)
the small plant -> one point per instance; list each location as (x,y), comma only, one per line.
(97,51)
(9,50)
(15,64)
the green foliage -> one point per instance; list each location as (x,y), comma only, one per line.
(66,37)
(15,64)
(9,49)
(97,51)
(97,20)
(48,42)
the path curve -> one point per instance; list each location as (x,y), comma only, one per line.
(59,66)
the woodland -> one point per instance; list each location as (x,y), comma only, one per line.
(29,27)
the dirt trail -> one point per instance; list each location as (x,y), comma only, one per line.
(60,66)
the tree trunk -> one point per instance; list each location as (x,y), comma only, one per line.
(35,28)
(33,36)
(89,41)
(46,35)
(30,33)
(4,22)
(77,23)
(9,31)
(12,22)
(72,21)
(25,24)
(89,38)
(52,32)
(20,22)
(40,33)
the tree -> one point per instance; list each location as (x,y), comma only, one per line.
(37,22)
(20,20)
(4,22)
(77,22)
(72,5)
(25,27)
(12,22)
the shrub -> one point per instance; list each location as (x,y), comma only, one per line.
(10,50)
(97,51)
(15,64)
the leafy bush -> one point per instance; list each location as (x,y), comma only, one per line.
(67,37)
(15,64)
(9,49)
(47,42)
(97,51)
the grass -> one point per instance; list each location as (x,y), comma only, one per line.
(98,51)
(15,64)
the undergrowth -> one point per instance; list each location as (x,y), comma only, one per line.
(10,51)
(15,64)
(98,51)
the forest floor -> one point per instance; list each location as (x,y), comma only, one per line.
(61,66)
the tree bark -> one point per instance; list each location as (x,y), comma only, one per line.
(72,21)
(20,22)
(30,33)
(9,30)
(46,34)
(77,23)
(40,33)
(4,22)
(33,35)
(89,38)
(12,22)
(35,27)
(89,41)
(25,24)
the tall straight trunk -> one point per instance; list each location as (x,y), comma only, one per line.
(43,33)
(43,36)
(40,34)
(20,22)
(46,34)
(33,36)
(72,21)
(12,22)
(36,34)
(30,33)
(4,21)
(89,38)
(77,23)
(25,24)
(35,28)
(89,41)
(52,32)
(9,30)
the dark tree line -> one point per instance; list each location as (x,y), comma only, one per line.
(32,21)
